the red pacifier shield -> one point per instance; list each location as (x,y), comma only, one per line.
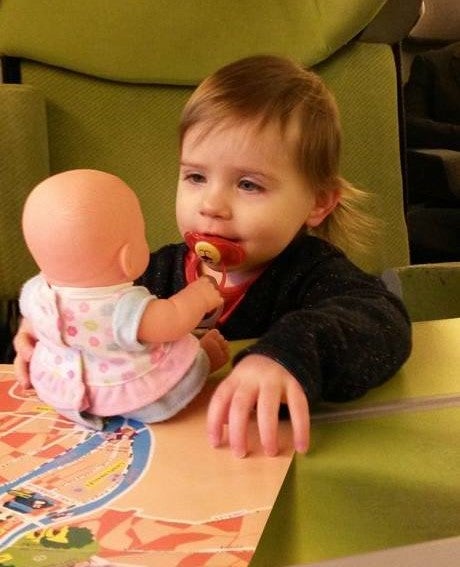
(214,250)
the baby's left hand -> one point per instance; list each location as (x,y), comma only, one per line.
(258,382)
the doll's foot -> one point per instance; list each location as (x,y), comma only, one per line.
(216,348)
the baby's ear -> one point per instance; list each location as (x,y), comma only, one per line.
(125,259)
(324,205)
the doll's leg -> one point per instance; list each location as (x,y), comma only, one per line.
(82,418)
(177,398)
(216,348)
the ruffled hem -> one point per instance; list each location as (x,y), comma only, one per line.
(105,399)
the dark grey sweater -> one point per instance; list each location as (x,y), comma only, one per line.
(334,327)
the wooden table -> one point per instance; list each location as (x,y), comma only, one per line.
(133,495)
(382,472)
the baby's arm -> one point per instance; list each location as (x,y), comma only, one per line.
(258,382)
(170,319)
(24,343)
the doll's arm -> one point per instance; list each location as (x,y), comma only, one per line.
(170,319)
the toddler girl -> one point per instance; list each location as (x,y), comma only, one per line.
(259,169)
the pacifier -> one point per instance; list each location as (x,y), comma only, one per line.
(215,251)
(218,253)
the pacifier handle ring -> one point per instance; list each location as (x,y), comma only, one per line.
(215,251)
(223,270)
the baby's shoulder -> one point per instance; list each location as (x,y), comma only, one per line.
(168,252)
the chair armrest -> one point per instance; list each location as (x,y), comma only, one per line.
(23,163)
(429,291)
(434,175)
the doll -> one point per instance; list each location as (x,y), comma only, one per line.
(104,345)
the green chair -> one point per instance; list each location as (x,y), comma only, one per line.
(101,83)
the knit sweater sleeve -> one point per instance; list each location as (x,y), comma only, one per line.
(346,334)
(165,273)
(336,329)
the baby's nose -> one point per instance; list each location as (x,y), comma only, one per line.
(215,203)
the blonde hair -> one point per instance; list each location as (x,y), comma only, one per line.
(269,89)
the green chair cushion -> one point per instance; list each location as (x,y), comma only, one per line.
(175,41)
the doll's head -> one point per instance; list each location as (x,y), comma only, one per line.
(84,228)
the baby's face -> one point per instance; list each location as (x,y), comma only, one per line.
(242,184)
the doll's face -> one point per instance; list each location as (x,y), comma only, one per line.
(241,183)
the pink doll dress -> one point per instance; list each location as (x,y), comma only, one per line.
(87,357)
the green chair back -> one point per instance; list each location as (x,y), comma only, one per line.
(101,84)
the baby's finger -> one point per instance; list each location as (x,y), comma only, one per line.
(300,417)
(24,344)
(21,371)
(268,405)
(217,415)
(243,402)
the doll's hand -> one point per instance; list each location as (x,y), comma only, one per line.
(208,289)
(258,382)
(24,343)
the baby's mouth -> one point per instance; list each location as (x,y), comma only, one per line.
(212,235)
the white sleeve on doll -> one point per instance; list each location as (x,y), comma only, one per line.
(127,317)
(27,297)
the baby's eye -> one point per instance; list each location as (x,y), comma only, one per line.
(249,186)
(194,178)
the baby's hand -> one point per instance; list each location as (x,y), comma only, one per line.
(258,382)
(24,343)
(209,291)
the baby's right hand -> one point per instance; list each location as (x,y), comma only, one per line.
(209,291)
(24,343)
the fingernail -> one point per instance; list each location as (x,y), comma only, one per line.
(213,440)
(239,454)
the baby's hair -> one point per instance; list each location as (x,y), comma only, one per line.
(266,89)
